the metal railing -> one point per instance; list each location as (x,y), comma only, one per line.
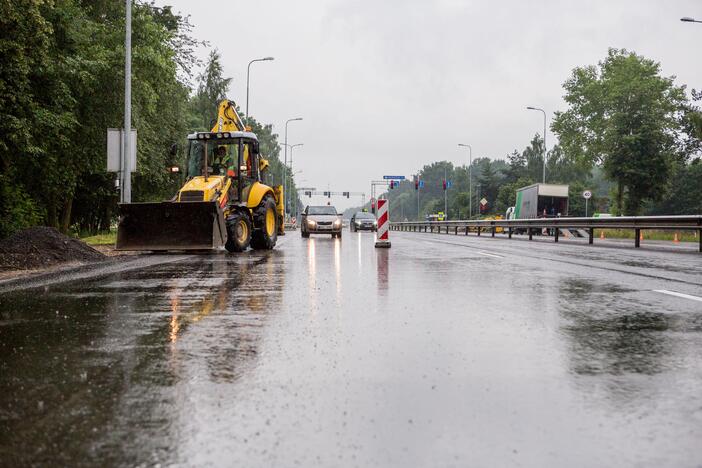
(555,225)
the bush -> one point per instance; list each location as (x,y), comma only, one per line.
(17,209)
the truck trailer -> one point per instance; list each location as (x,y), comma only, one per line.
(541,201)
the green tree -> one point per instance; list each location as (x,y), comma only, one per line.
(61,83)
(624,115)
(211,90)
(685,194)
(507,194)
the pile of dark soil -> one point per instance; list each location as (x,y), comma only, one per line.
(41,247)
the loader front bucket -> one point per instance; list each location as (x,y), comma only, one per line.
(170,226)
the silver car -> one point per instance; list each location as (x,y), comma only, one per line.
(362,221)
(321,220)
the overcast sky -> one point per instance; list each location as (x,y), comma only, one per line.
(385,86)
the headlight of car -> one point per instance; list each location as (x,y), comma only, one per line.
(375,223)
(312,224)
(358,223)
(337,223)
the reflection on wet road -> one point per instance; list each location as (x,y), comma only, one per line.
(440,351)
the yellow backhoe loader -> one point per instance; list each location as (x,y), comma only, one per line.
(223,201)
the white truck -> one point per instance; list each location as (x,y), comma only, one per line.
(540,201)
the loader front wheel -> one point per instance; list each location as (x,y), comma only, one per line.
(265,234)
(238,232)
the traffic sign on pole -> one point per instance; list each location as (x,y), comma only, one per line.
(586,195)
(394,177)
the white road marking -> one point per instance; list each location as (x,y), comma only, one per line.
(677,294)
(480,252)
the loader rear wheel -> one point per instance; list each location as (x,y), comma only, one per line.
(238,232)
(265,234)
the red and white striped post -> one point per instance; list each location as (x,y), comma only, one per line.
(383,225)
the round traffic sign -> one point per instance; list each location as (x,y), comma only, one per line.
(587,194)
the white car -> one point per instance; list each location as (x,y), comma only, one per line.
(321,220)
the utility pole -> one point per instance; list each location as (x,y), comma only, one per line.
(285,167)
(293,209)
(418,189)
(479,195)
(127,148)
(445,195)
(470,178)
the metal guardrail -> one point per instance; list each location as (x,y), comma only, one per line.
(554,225)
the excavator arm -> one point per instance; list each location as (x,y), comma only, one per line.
(228,119)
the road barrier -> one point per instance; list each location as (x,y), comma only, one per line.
(557,226)
(383,224)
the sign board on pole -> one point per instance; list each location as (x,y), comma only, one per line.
(587,194)
(394,177)
(114,149)
(483,201)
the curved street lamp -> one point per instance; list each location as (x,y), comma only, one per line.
(544,112)
(248,69)
(688,19)
(285,164)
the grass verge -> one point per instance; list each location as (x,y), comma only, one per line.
(650,234)
(101,239)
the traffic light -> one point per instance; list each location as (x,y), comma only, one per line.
(346,194)
(443,183)
(392,184)
(308,193)
(416,184)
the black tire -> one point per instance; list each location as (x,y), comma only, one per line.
(265,233)
(305,234)
(338,235)
(238,232)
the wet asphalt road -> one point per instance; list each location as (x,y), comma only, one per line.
(442,351)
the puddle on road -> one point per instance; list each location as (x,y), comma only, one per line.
(613,330)
(83,368)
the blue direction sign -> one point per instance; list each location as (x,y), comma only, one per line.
(394,177)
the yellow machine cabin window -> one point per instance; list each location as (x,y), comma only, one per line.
(222,157)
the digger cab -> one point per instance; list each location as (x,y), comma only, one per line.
(220,161)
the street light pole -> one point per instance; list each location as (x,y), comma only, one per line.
(248,69)
(687,19)
(126,153)
(445,195)
(292,174)
(470,179)
(418,189)
(544,112)
(285,166)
